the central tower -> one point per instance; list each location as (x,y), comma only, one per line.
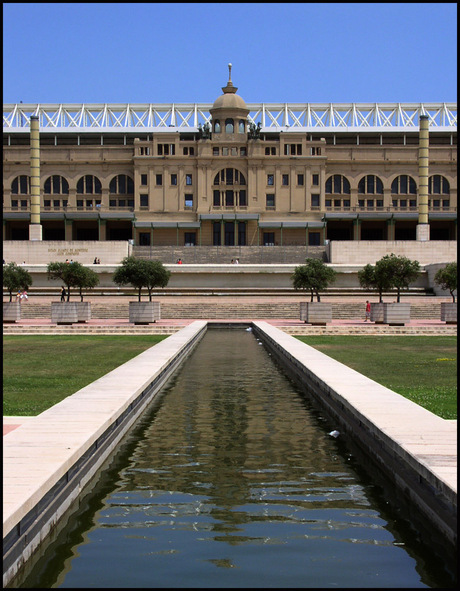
(229,114)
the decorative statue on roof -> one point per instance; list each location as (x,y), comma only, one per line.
(254,131)
(204,132)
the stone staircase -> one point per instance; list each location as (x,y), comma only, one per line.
(216,309)
(217,255)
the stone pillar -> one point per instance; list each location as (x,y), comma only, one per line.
(423,228)
(68,230)
(35,228)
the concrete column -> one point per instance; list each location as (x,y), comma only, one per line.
(102,230)
(423,228)
(68,230)
(35,228)
(356,229)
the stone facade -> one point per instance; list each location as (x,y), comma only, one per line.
(230,184)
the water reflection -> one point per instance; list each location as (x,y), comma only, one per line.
(236,483)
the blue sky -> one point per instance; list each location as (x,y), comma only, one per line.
(173,52)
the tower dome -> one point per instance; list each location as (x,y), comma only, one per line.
(229,100)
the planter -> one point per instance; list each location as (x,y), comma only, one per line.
(83,311)
(11,311)
(316,313)
(377,312)
(396,314)
(448,312)
(64,312)
(144,312)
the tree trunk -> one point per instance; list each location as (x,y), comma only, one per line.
(140,288)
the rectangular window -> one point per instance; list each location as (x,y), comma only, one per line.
(403,203)
(159,179)
(270,179)
(315,180)
(269,238)
(273,151)
(337,183)
(190,238)
(185,151)
(188,201)
(188,179)
(267,151)
(285,179)
(216,234)
(243,152)
(24,203)
(315,200)
(328,203)
(229,198)
(174,179)
(370,203)
(143,179)
(314,238)
(241,234)
(224,151)
(216,198)
(445,203)
(361,203)
(47,203)
(270,200)
(234,151)
(379,202)
(160,149)
(144,200)
(243,199)
(299,149)
(346,203)
(215,151)
(337,203)
(300,180)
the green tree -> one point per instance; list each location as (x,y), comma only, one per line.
(314,276)
(141,273)
(16,278)
(447,278)
(400,270)
(375,277)
(73,275)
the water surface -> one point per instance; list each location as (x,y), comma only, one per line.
(231,480)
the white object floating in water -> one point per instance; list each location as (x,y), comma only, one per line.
(334,433)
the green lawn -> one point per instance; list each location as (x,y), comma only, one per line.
(39,371)
(421,368)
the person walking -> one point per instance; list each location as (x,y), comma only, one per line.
(368,311)
(63,294)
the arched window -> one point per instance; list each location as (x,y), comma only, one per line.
(370,185)
(229,176)
(122,184)
(89,185)
(56,185)
(337,184)
(241,126)
(229,126)
(438,185)
(21,185)
(403,185)
(217,126)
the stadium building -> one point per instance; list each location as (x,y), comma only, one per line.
(230,173)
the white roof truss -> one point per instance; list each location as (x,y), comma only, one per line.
(272,117)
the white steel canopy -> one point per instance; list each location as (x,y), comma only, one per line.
(286,117)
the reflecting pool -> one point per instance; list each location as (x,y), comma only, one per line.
(232,480)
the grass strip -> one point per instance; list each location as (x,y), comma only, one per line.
(420,368)
(39,371)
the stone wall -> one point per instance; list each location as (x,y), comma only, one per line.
(36,252)
(362,252)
